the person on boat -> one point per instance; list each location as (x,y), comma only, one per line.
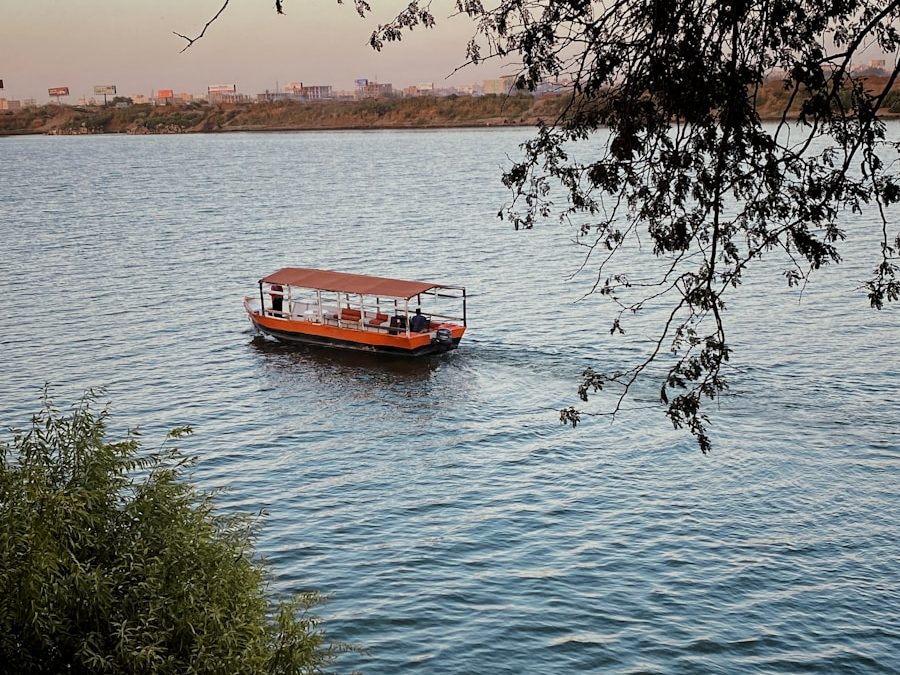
(418,324)
(276,292)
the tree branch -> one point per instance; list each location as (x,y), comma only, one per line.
(191,41)
(279,8)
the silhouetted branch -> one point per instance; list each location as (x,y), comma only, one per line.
(190,41)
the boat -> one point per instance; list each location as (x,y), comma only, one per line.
(357,311)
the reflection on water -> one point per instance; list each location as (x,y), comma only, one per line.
(314,360)
(379,385)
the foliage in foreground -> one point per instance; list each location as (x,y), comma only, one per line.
(110,561)
(686,188)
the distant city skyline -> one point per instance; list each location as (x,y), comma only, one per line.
(53,43)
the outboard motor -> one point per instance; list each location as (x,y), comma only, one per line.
(443,337)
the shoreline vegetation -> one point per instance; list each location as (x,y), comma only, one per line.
(112,560)
(202,117)
(387,113)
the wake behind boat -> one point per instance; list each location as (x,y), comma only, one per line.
(357,311)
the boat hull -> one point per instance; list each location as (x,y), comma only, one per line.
(358,339)
(432,347)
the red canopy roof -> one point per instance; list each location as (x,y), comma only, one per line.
(342,282)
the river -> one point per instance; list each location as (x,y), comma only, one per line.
(455,524)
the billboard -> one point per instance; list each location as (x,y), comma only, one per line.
(222,88)
(105,89)
(362,83)
(1,84)
(58,91)
(165,93)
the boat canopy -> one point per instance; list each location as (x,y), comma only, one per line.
(341,282)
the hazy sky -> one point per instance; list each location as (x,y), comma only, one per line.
(130,43)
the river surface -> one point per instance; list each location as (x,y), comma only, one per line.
(455,524)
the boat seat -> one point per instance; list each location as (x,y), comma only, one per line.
(397,325)
(350,315)
(378,319)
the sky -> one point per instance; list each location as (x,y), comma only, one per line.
(130,44)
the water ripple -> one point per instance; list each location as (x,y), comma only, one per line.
(456,525)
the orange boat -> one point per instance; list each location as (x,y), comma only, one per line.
(356,311)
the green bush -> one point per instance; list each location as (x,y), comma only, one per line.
(110,561)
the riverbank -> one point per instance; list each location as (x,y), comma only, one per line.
(424,113)
(388,113)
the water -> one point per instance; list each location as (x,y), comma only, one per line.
(456,525)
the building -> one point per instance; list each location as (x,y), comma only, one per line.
(552,88)
(424,89)
(10,104)
(503,86)
(309,92)
(227,93)
(874,68)
(368,89)
(273,97)
(317,92)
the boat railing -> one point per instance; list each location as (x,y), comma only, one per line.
(363,312)
(351,318)
(442,317)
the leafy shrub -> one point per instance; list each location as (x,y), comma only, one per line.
(110,561)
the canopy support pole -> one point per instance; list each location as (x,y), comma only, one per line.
(464,306)
(262,300)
